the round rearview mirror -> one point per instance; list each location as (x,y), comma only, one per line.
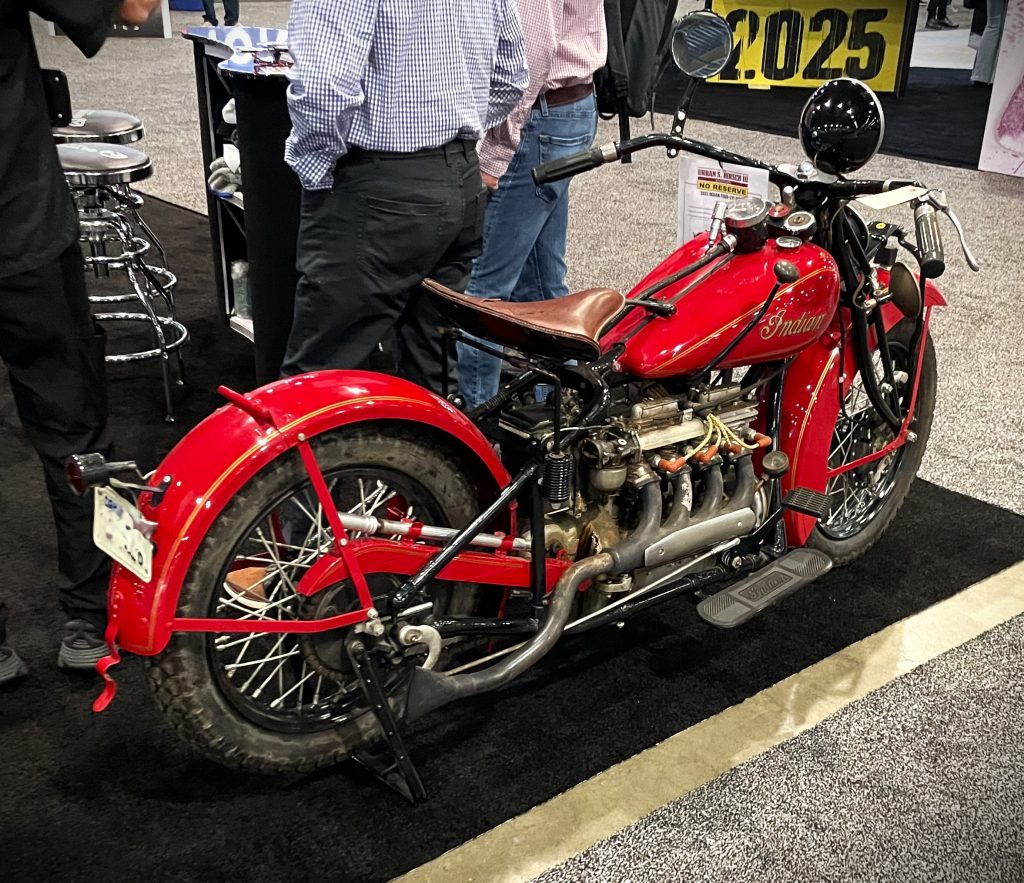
(701,44)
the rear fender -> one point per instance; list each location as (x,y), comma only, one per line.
(216,459)
(810,407)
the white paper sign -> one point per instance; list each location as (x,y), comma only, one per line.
(703,182)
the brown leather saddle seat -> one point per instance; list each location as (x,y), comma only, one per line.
(567,327)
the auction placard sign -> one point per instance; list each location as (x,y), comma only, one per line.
(808,42)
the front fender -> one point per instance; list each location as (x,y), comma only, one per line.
(810,407)
(216,459)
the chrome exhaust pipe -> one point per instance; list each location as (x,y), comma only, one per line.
(429,690)
(712,523)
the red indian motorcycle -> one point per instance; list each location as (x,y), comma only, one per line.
(331,555)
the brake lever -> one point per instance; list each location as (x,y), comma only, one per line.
(938,199)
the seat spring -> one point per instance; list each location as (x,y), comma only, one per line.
(558,468)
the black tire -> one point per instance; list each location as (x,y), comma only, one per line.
(846,543)
(196,698)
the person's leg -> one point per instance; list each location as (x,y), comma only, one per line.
(363,247)
(980,18)
(421,332)
(11,666)
(512,223)
(54,353)
(519,215)
(230,12)
(209,12)
(988,51)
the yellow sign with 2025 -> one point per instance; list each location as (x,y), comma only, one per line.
(806,42)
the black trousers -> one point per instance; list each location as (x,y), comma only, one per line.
(230,11)
(389,222)
(937,8)
(54,355)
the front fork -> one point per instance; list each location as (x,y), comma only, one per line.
(901,423)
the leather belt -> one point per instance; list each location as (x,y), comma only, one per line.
(565,95)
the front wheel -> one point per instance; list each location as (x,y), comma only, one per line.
(285,702)
(864,501)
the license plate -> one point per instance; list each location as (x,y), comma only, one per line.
(114,532)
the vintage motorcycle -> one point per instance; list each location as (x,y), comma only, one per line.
(335,554)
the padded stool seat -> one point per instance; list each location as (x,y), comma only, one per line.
(95,164)
(108,126)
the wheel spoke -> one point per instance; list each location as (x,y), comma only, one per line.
(289,681)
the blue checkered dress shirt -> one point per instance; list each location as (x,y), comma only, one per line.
(397,75)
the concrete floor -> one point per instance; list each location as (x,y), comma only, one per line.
(916,782)
(892,760)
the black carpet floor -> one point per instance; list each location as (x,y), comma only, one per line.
(115,796)
(917,126)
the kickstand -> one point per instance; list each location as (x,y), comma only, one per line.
(391,763)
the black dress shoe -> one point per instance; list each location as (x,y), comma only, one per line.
(947,24)
(933,24)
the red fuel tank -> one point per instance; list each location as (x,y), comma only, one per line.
(712,308)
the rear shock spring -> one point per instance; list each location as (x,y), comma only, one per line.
(558,468)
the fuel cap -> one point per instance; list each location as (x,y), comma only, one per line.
(801,224)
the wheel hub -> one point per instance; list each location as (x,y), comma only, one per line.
(325,652)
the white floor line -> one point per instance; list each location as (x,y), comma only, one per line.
(547,835)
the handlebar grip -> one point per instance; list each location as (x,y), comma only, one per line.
(566,167)
(929,241)
(852,189)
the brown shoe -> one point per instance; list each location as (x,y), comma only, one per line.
(247,586)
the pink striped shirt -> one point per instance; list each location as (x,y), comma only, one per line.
(566,42)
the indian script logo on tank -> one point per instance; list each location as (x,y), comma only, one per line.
(723,183)
(777,325)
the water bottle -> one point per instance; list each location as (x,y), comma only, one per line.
(240,287)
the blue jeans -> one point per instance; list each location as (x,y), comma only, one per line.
(525,231)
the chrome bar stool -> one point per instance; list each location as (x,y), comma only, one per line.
(98,175)
(111,127)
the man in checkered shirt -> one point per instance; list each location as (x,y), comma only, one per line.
(388,99)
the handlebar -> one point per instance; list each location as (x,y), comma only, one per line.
(929,241)
(587,160)
(929,238)
(566,167)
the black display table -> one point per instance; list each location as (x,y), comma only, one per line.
(260,224)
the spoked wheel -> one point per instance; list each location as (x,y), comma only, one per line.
(291,703)
(864,501)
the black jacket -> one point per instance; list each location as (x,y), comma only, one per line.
(37,221)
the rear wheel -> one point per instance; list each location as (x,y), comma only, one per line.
(291,703)
(864,501)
